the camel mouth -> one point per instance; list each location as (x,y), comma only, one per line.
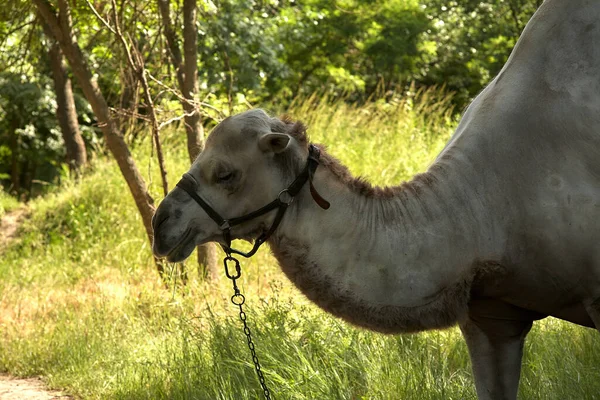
(183,248)
(186,245)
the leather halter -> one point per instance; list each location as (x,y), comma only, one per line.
(281,203)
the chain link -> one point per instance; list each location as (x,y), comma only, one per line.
(238,299)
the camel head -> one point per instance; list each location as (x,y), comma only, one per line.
(248,159)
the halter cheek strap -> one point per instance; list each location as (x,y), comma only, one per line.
(281,203)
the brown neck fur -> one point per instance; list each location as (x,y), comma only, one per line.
(441,310)
(362,187)
(297,130)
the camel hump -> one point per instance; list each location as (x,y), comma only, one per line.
(557,55)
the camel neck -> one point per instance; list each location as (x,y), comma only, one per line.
(391,259)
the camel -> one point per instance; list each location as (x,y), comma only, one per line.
(500,231)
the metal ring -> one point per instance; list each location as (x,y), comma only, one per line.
(285,197)
(238,299)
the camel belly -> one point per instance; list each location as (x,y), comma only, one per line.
(519,310)
(535,292)
(575,313)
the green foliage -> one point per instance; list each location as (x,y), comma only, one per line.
(81,303)
(235,53)
(29,135)
(278,50)
(270,50)
(469,41)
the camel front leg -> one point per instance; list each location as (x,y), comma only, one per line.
(495,333)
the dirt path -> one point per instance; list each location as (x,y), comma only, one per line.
(27,389)
(9,224)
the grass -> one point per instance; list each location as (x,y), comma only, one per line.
(82,306)
(7,203)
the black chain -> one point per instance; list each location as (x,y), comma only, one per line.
(238,299)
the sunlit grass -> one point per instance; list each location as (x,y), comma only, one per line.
(7,202)
(82,305)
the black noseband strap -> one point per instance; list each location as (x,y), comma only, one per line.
(188,184)
(283,200)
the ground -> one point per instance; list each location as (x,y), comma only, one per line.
(9,224)
(27,389)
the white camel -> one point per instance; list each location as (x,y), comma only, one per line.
(503,229)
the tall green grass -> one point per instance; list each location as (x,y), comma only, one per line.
(82,306)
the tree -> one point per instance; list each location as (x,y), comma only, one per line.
(66,112)
(61,29)
(187,79)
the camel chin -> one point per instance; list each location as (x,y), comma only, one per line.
(183,249)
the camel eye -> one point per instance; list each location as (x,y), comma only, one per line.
(225,177)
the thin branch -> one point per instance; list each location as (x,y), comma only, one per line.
(124,111)
(16,29)
(22,54)
(120,36)
(136,62)
(172,40)
(230,88)
(97,14)
(167,88)
(175,119)
(176,93)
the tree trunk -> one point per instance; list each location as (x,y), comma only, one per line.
(193,127)
(15,176)
(31,171)
(187,77)
(164,6)
(60,27)
(207,254)
(128,103)
(66,112)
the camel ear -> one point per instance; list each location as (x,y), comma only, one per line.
(274,142)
